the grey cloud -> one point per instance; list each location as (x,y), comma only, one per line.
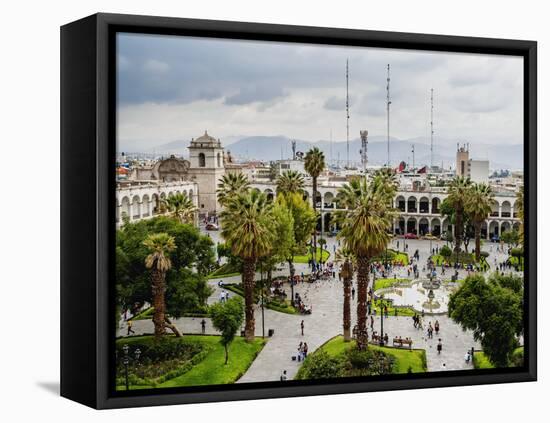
(254,93)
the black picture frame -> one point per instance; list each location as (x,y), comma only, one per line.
(88,100)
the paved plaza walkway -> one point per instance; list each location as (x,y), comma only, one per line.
(325,322)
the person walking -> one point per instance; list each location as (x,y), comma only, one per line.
(353,293)
(302,327)
(436,327)
(439,346)
(283,376)
(304,348)
(129,325)
(203,326)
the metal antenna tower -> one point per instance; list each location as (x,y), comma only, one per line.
(364,142)
(388,102)
(412,151)
(432,130)
(347,113)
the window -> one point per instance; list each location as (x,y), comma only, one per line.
(202,160)
(219,160)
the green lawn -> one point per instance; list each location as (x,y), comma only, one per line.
(306,257)
(211,370)
(404,358)
(272,305)
(387,283)
(224,271)
(148,314)
(482,362)
(392,256)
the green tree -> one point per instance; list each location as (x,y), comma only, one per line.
(186,286)
(458,192)
(159,246)
(346,260)
(314,164)
(520,207)
(290,182)
(248,228)
(181,207)
(227,317)
(231,185)
(445,252)
(493,310)
(365,226)
(284,242)
(511,237)
(304,221)
(479,202)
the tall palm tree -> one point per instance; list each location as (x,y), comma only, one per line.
(346,259)
(459,189)
(364,232)
(290,182)
(385,182)
(230,185)
(248,229)
(520,207)
(181,207)
(159,247)
(478,206)
(314,164)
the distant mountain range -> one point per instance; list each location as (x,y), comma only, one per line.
(267,148)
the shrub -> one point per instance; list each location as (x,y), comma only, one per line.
(321,366)
(445,251)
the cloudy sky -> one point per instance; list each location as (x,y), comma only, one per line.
(173,88)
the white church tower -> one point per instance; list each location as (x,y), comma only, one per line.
(207,168)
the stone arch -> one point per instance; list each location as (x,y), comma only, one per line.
(412,205)
(202,160)
(400,203)
(318,200)
(146,206)
(401,226)
(155,204)
(423,226)
(516,226)
(436,204)
(505,227)
(506,209)
(328,200)
(494,228)
(495,209)
(136,207)
(424,205)
(412,225)
(484,230)
(125,208)
(269,194)
(436,226)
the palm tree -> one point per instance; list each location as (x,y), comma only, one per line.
(365,227)
(478,206)
(230,185)
(248,228)
(346,259)
(385,182)
(459,189)
(181,207)
(314,164)
(159,246)
(290,182)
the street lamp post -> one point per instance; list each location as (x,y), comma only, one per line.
(382,320)
(126,361)
(262,298)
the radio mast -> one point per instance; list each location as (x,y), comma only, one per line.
(347,114)
(432,130)
(364,134)
(388,102)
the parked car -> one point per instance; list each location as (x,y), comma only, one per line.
(410,235)
(430,236)
(212,227)
(495,238)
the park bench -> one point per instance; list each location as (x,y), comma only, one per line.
(399,342)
